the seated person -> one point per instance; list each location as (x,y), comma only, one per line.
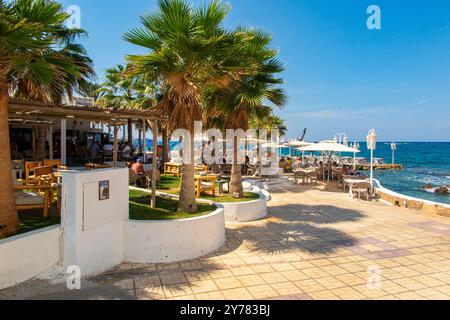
(297,164)
(94,150)
(334,166)
(138,168)
(344,171)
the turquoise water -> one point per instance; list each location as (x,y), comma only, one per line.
(425,162)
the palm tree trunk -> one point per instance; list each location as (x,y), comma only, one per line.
(236,187)
(9,220)
(166,147)
(40,145)
(187,201)
(130,134)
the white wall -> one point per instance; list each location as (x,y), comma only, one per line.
(23,257)
(173,240)
(93,229)
(247,211)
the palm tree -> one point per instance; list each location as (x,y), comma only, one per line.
(268,123)
(90,90)
(189,50)
(67,58)
(123,90)
(36,57)
(251,98)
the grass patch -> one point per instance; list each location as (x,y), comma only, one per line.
(30,221)
(248,196)
(166,208)
(171,184)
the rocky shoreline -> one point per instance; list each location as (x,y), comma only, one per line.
(442,190)
(380,167)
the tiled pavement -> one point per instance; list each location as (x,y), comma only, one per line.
(314,245)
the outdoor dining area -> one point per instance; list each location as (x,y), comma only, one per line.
(333,170)
(37,185)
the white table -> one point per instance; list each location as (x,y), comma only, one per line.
(351,183)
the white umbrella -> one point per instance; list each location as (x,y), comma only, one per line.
(297,143)
(273,145)
(328,147)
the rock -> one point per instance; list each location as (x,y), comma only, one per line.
(441,190)
(427,186)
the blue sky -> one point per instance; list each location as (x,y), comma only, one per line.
(341,76)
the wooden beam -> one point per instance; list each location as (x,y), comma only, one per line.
(33,141)
(115,149)
(37,110)
(63,142)
(145,142)
(50,142)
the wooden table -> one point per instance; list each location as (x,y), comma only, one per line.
(172,168)
(95,166)
(199,179)
(200,168)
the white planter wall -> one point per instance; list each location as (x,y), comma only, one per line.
(247,211)
(23,257)
(173,240)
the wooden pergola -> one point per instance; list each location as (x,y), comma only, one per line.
(40,114)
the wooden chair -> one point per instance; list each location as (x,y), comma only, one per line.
(135,179)
(314,177)
(300,175)
(29,167)
(56,164)
(39,199)
(362,188)
(200,169)
(148,178)
(44,171)
(205,184)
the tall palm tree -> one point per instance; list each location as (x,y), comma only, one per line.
(76,73)
(251,97)
(36,57)
(189,50)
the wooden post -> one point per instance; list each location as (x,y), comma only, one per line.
(154,162)
(50,142)
(115,151)
(145,138)
(63,142)
(33,142)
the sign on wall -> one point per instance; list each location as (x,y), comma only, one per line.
(103,190)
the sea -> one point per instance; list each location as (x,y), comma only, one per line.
(424,163)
